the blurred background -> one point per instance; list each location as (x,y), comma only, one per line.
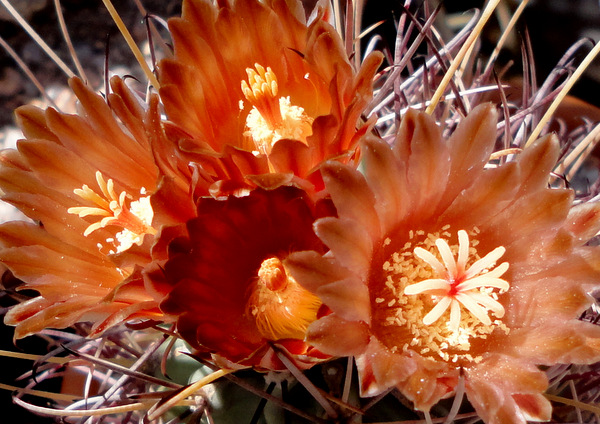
(552,26)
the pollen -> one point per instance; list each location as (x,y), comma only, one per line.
(134,217)
(271,118)
(440,295)
(280,307)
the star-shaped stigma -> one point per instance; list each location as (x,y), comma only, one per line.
(455,285)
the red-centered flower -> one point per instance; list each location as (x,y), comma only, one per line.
(253,84)
(227,282)
(85,180)
(445,265)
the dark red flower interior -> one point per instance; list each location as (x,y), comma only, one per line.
(213,266)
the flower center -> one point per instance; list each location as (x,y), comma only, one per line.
(271,118)
(439,298)
(281,308)
(135,217)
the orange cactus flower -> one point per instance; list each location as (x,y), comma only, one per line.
(446,266)
(85,180)
(228,286)
(252,81)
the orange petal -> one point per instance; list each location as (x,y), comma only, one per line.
(32,121)
(379,369)
(529,305)
(78,136)
(493,192)
(52,315)
(571,341)
(504,390)
(40,264)
(337,337)
(431,382)
(584,221)
(536,163)
(124,313)
(521,227)
(470,146)
(387,181)
(348,298)
(100,117)
(312,271)
(291,156)
(348,241)
(129,110)
(57,166)
(351,196)
(419,143)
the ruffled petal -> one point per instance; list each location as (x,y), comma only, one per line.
(584,221)
(536,163)
(352,196)
(230,292)
(494,191)
(419,143)
(470,147)
(505,390)
(338,337)
(422,381)
(313,270)
(348,298)
(338,234)
(571,341)
(387,181)
(379,369)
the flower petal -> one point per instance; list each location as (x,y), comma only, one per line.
(505,390)
(351,196)
(584,221)
(494,191)
(348,298)
(339,234)
(379,369)
(388,182)
(420,145)
(569,342)
(336,336)
(536,163)
(313,271)
(470,147)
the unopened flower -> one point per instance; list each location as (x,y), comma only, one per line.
(226,279)
(253,83)
(444,265)
(85,181)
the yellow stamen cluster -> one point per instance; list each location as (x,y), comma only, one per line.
(134,217)
(281,308)
(435,304)
(271,118)
(261,90)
